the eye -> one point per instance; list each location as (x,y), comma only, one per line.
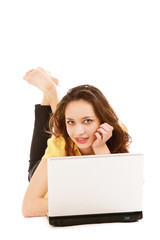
(87,121)
(70,122)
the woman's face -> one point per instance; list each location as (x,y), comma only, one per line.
(81,124)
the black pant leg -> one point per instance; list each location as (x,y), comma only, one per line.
(40,137)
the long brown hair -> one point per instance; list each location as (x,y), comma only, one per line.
(120,140)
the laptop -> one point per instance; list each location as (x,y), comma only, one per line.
(95,189)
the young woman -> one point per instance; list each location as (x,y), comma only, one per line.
(82,123)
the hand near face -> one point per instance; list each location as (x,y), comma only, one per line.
(103,134)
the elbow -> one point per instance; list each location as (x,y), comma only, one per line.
(27,209)
(34,207)
(25,215)
(26,212)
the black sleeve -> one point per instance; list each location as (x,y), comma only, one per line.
(40,137)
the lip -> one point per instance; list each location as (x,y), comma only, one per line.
(82,140)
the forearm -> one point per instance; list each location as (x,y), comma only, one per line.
(36,208)
(34,203)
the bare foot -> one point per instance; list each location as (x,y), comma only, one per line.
(38,79)
(49,75)
(41,80)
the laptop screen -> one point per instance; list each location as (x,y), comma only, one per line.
(95,184)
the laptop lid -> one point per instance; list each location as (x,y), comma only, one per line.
(97,184)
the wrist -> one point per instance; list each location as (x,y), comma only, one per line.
(101,150)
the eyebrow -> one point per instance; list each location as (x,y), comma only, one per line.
(81,118)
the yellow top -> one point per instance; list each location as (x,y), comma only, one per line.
(56,148)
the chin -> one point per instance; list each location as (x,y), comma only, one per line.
(85,148)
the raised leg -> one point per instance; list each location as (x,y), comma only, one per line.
(48,85)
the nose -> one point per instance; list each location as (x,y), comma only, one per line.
(80,130)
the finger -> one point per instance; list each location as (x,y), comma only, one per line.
(105,134)
(98,135)
(107,127)
(102,131)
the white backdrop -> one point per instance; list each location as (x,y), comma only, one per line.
(113,45)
